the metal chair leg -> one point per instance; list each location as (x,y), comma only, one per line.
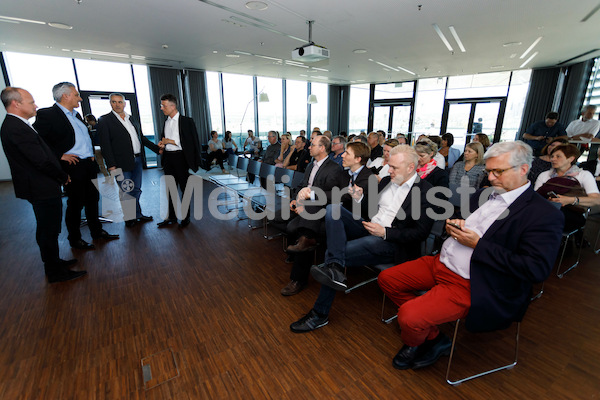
(459,381)
(558,273)
(384,319)
(539,294)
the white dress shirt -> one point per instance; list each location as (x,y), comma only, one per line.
(579,126)
(135,140)
(391,200)
(172,132)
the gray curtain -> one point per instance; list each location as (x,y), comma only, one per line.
(162,81)
(578,76)
(542,89)
(339,106)
(197,106)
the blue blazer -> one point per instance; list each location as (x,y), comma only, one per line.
(453,156)
(514,253)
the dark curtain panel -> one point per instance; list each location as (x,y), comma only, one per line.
(542,89)
(578,76)
(162,81)
(197,103)
(339,106)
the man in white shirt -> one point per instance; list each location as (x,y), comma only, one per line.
(121,141)
(487,266)
(393,235)
(586,127)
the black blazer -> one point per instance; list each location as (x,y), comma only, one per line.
(56,130)
(328,176)
(407,233)
(36,172)
(376,152)
(116,142)
(362,181)
(190,143)
(438,177)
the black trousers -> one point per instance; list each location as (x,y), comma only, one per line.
(174,164)
(217,155)
(82,193)
(48,218)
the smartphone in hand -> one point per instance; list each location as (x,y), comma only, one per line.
(457,226)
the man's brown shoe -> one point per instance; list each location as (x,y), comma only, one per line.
(304,244)
(292,288)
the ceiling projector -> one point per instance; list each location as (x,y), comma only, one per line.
(310,53)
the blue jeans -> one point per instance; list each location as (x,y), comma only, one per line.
(350,244)
(134,176)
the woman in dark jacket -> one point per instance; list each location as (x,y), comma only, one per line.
(428,169)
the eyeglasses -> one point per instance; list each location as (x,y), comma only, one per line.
(498,172)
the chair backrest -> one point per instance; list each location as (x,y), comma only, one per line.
(254,167)
(242,163)
(297,180)
(204,148)
(280,173)
(232,160)
(267,170)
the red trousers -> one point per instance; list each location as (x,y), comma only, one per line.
(448,297)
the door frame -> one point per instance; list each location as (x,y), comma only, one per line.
(474,102)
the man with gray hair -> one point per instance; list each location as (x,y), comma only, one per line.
(585,128)
(63,129)
(486,267)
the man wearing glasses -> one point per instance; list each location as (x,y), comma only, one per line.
(338,146)
(487,265)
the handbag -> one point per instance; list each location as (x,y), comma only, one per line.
(565,186)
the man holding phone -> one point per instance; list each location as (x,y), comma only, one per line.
(487,266)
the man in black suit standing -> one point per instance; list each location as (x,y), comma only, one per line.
(67,135)
(121,141)
(37,178)
(181,152)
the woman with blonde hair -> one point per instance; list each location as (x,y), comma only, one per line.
(427,168)
(472,166)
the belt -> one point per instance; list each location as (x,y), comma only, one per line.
(137,155)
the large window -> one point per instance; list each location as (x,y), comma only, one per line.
(493,84)
(296,107)
(592,95)
(429,104)
(142,88)
(238,96)
(270,114)
(104,76)
(519,85)
(214,101)
(359,108)
(318,113)
(399,90)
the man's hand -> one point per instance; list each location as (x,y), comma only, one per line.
(374,229)
(304,194)
(68,181)
(295,207)
(167,141)
(356,192)
(464,236)
(70,158)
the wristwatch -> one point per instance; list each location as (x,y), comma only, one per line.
(576,201)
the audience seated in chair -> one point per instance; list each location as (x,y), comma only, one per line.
(486,268)
(216,151)
(393,235)
(542,163)
(298,159)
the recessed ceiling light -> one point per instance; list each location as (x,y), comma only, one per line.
(232,55)
(165,46)
(513,55)
(359,51)
(60,25)
(17,20)
(529,59)
(256,5)
(531,47)
(405,70)
(496,66)
(457,38)
(244,53)
(215,52)
(510,44)
(442,37)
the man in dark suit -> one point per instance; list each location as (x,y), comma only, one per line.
(376,149)
(121,141)
(63,129)
(181,152)
(393,234)
(322,175)
(487,266)
(37,178)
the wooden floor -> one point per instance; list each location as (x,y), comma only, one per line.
(210,294)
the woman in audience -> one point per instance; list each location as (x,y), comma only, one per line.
(428,169)
(298,154)
(216,150)
(472,167)
(380,166)
(563,159)
(542,163)
(439,159)
(229,144)
(483,139)
(286,149)
(450,154)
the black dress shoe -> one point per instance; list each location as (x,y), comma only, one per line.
(331,275)
(130,223)
(105,235)
(145,218)
(437,347)
(292,288)
(166,222)
(65,275)
(309,322)
(184,223)
(82,245)
(68,263)
(405,357)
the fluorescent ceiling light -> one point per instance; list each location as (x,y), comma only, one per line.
(529,59)
(101,53)
(244,53)
(441,35)
(405,70)
(458,41)
(384,65)
(60,25)
(138,57)
(319,69)
(268,58)
(531,47)
(17,20)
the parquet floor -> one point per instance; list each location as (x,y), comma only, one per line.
(210,293)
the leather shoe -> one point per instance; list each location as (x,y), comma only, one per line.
(292,288)
(435,348)
(130,223)
(82,245)
(105,235)
(65,275)
(166,223)
(331,275)
(304,244)
(67,263)
(309,322)
(184,222)
(145,218)
(405,357)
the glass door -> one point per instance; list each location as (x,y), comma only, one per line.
(400,120)
(392,118)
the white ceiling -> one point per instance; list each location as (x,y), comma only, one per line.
(200,34)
